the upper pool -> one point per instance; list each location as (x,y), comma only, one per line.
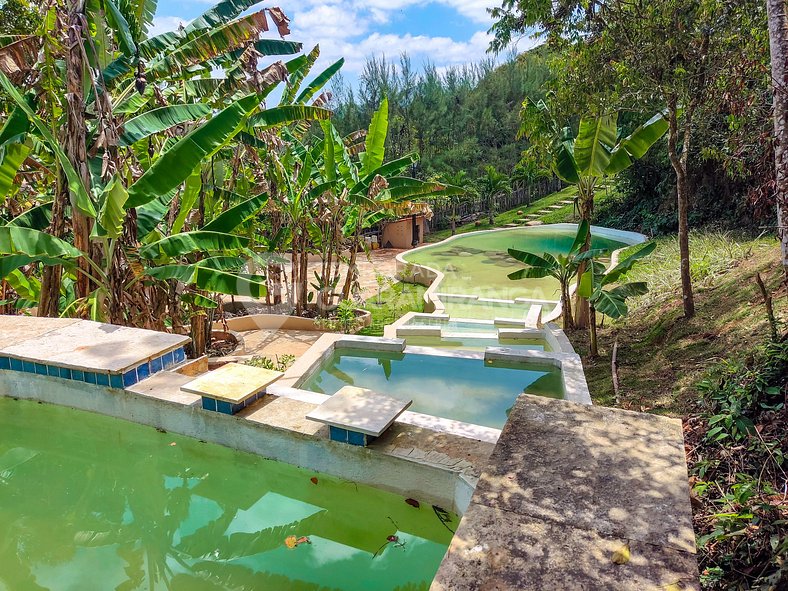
(478,263)
(93,503)
(466,389)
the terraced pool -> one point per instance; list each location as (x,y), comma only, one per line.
(93,503)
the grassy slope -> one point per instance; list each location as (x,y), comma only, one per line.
(661,355)
(507,217)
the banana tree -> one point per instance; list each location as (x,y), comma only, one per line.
(597,152)
(562,267)
(604,290)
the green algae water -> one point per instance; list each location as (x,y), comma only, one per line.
(478,264)
(93,503)
(468,390)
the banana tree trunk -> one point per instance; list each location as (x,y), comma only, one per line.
(592,332)
(566,307)
(453,218)
(585,202)
(199,332)
(48,303)
(778,47)
(76,135)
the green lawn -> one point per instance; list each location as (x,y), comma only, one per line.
(397,300)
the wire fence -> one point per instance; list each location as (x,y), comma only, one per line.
(474,208)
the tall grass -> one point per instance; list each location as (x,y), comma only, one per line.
(712,254)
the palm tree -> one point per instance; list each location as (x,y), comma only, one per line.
(462,181)
(491,185)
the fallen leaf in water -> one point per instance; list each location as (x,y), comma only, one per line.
(413,503)
(621,556)
(173,443)
(313,479)
(303,540)
(291,542)
(393,539)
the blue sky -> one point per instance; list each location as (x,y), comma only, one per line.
(444,32)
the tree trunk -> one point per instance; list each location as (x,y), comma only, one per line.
(76,135)
(778,47)
(453,219)
(491,210)
(585,201)
(592,332)
(679,163)
(48,302)
(566,308)
(199,333)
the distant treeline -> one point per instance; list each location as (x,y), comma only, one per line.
(456,118)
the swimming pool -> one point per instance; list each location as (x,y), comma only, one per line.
(90,502)
(476,343)
(467,389)
(477,264)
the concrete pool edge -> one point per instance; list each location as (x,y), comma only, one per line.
(427,475)
(432,278)
(573,379)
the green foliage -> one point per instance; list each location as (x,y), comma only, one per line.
(278,363)
(462,119)
(738,465)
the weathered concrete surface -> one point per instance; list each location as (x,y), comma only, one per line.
(360,410)
(17,329)
(234,382)
(566,487)
(82,344)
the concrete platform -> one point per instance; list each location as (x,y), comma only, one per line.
(359,410)
(82,344)
(233,383)
(566,487)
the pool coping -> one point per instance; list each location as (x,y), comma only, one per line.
(570,365)
(432,278)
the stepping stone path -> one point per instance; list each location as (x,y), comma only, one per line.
(534,219)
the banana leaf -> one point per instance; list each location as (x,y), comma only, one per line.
(158,120)
(177,163)
(189,242)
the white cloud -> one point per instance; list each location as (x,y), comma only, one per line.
(164,24)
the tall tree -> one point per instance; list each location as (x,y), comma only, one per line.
(666,51)
(778,45)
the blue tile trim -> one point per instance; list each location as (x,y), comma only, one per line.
(224,407)
(167,360)
(29,367)
(53,370)
(78,375)
(17,365)
(5,363)
(102,379)
(116,380)
(130,378)
(143,371)
(337,434)
(41,369)
(179,355)
(65,373)
(90,377)
(209,404)
(356,438)
(156,365)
